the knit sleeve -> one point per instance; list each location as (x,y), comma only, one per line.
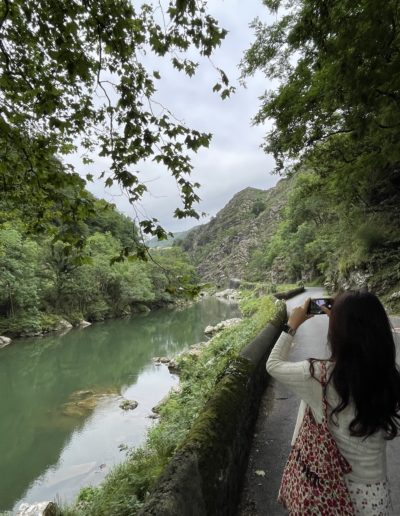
(294,375)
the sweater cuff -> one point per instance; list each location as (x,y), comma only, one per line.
(286,337)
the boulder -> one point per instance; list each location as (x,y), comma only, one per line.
(173,367)
(156,409)
(128,404)
(228,293)
(80,403)
(38,509)
(81,395)
(234,282)
(212,330)
(83,324)
(80,408)
(161,360)
(32,333)
(143,309)
(63,325)
(4,341)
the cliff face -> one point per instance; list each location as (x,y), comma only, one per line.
(221,248)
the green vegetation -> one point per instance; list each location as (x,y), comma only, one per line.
(172,240)
(126,487)
(336,129)
(74,76)
(43,280)
(221,249)
(263,288)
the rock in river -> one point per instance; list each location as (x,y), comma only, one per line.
(211,330)
(4,341)
(83,324)
(63,325)
(38,509)
(82,402)
(128,404)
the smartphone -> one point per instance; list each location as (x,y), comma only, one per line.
(314,307)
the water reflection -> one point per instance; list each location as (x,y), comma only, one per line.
(47,449)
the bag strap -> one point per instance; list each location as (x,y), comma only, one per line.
(324,400)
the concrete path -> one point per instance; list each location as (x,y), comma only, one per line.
(276,421)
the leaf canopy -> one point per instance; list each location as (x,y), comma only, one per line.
(74,75)
(338,67)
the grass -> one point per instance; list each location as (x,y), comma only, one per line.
(125,489)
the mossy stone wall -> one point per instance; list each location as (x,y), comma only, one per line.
(289,293)
(205,475)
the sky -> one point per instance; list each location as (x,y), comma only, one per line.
(234,159)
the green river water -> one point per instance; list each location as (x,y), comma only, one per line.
(49,446)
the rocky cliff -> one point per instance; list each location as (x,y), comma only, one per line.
(221,249)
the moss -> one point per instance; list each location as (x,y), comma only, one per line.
(215,448)
(223,405)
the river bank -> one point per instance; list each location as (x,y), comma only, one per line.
(125,490)
(50,443)
(60,324)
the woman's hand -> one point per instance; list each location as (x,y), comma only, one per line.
(299,314)
(326,310)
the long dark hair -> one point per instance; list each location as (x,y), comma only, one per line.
(365,372)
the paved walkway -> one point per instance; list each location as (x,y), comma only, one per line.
(275,425)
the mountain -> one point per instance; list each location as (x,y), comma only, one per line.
(169,242)
(221,249)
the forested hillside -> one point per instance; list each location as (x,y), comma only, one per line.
(335,234)
(43,279)
(307,228)
(172,239)
(222,248)
(335,126)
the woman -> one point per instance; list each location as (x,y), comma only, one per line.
(363,390)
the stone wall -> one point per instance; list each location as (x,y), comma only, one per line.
(205,475)
(289,293)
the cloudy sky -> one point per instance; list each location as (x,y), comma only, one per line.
(234,159)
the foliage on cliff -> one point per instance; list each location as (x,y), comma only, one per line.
(222,248)
(321,237)
(335,124)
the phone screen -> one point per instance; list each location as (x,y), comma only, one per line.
(315,305)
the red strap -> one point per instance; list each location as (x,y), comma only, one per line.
(324,400)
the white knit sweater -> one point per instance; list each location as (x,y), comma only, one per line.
(366,457)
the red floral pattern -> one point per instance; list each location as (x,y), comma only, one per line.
(312,481)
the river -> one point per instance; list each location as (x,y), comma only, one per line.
(51,441)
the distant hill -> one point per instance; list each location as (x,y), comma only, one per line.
(161,244)
(221,249)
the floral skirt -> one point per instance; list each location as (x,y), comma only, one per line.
(370,499)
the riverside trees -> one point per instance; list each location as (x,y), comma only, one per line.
(40,282)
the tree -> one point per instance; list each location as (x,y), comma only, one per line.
(73,74)
(19,283)
(335,112)
(338,66)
